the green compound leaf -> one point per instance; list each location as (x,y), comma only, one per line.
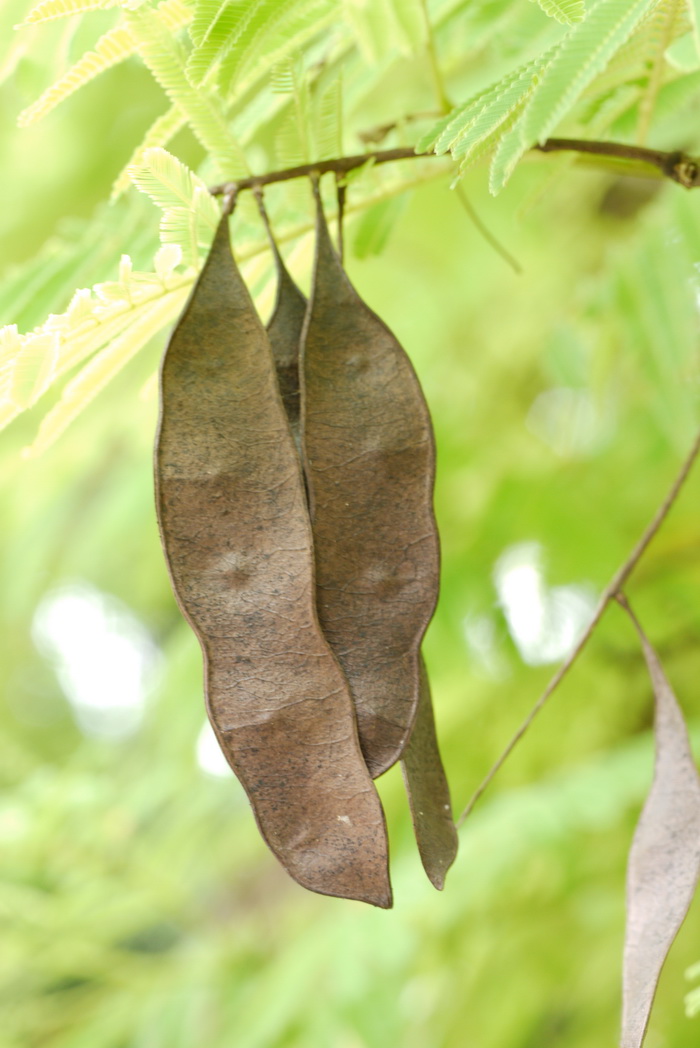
(584,53)
(568,12)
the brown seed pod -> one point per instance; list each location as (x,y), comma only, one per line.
(369,458)
(235,529)
(428,792)
(284,331)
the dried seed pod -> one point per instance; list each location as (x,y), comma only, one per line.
(664,860)
(284,331)
(428,792)
(235,528)
(369,457)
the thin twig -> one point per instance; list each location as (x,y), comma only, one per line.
(486,233)
(609,593)
(375,135)
(340,165)
(341,193)
(679,167)
(439,84)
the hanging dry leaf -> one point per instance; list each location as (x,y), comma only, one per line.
(369,458)
(235,528)
(664,861)
(428,792)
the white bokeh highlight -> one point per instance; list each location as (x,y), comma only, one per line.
(209,755)
(570,422)
(545,624)
(104,658)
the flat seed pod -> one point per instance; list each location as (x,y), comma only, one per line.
(428,792)
(284,331)
(369,458)
(236,532)
(664,860)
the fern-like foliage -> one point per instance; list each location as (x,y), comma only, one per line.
(478,119)
(161,131)
(166,61)
(581,56)
(190,213)
(245,39)
(661,33)
(48,10)
(568,12)
(27,367)
(95,318)
(148,321)
(113,47)
(525,106)
(108,324)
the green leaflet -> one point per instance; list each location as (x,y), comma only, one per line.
(508,152)
(494,115)
(205,14)
(27,366)
(442,134)
(120,313)
(166,61)
(170,183)
(190,212)
(581,56)
(165,127)
(222,32)
(568,12)
(103,367)
(279,28)
(475,110)
(487,109)
(663,23)
(113,47)
(50,9)
(236,33)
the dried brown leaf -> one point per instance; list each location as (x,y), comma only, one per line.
(235,528)
(664,860)
(369,459)
(428,792)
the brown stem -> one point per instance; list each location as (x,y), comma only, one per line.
(341,193)
(341,165)
(678,166)
(610,592)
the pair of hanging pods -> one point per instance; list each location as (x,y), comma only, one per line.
(294,477)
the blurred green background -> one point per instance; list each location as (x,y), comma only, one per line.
(138,906)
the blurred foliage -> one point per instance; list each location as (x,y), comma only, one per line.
(138,906)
